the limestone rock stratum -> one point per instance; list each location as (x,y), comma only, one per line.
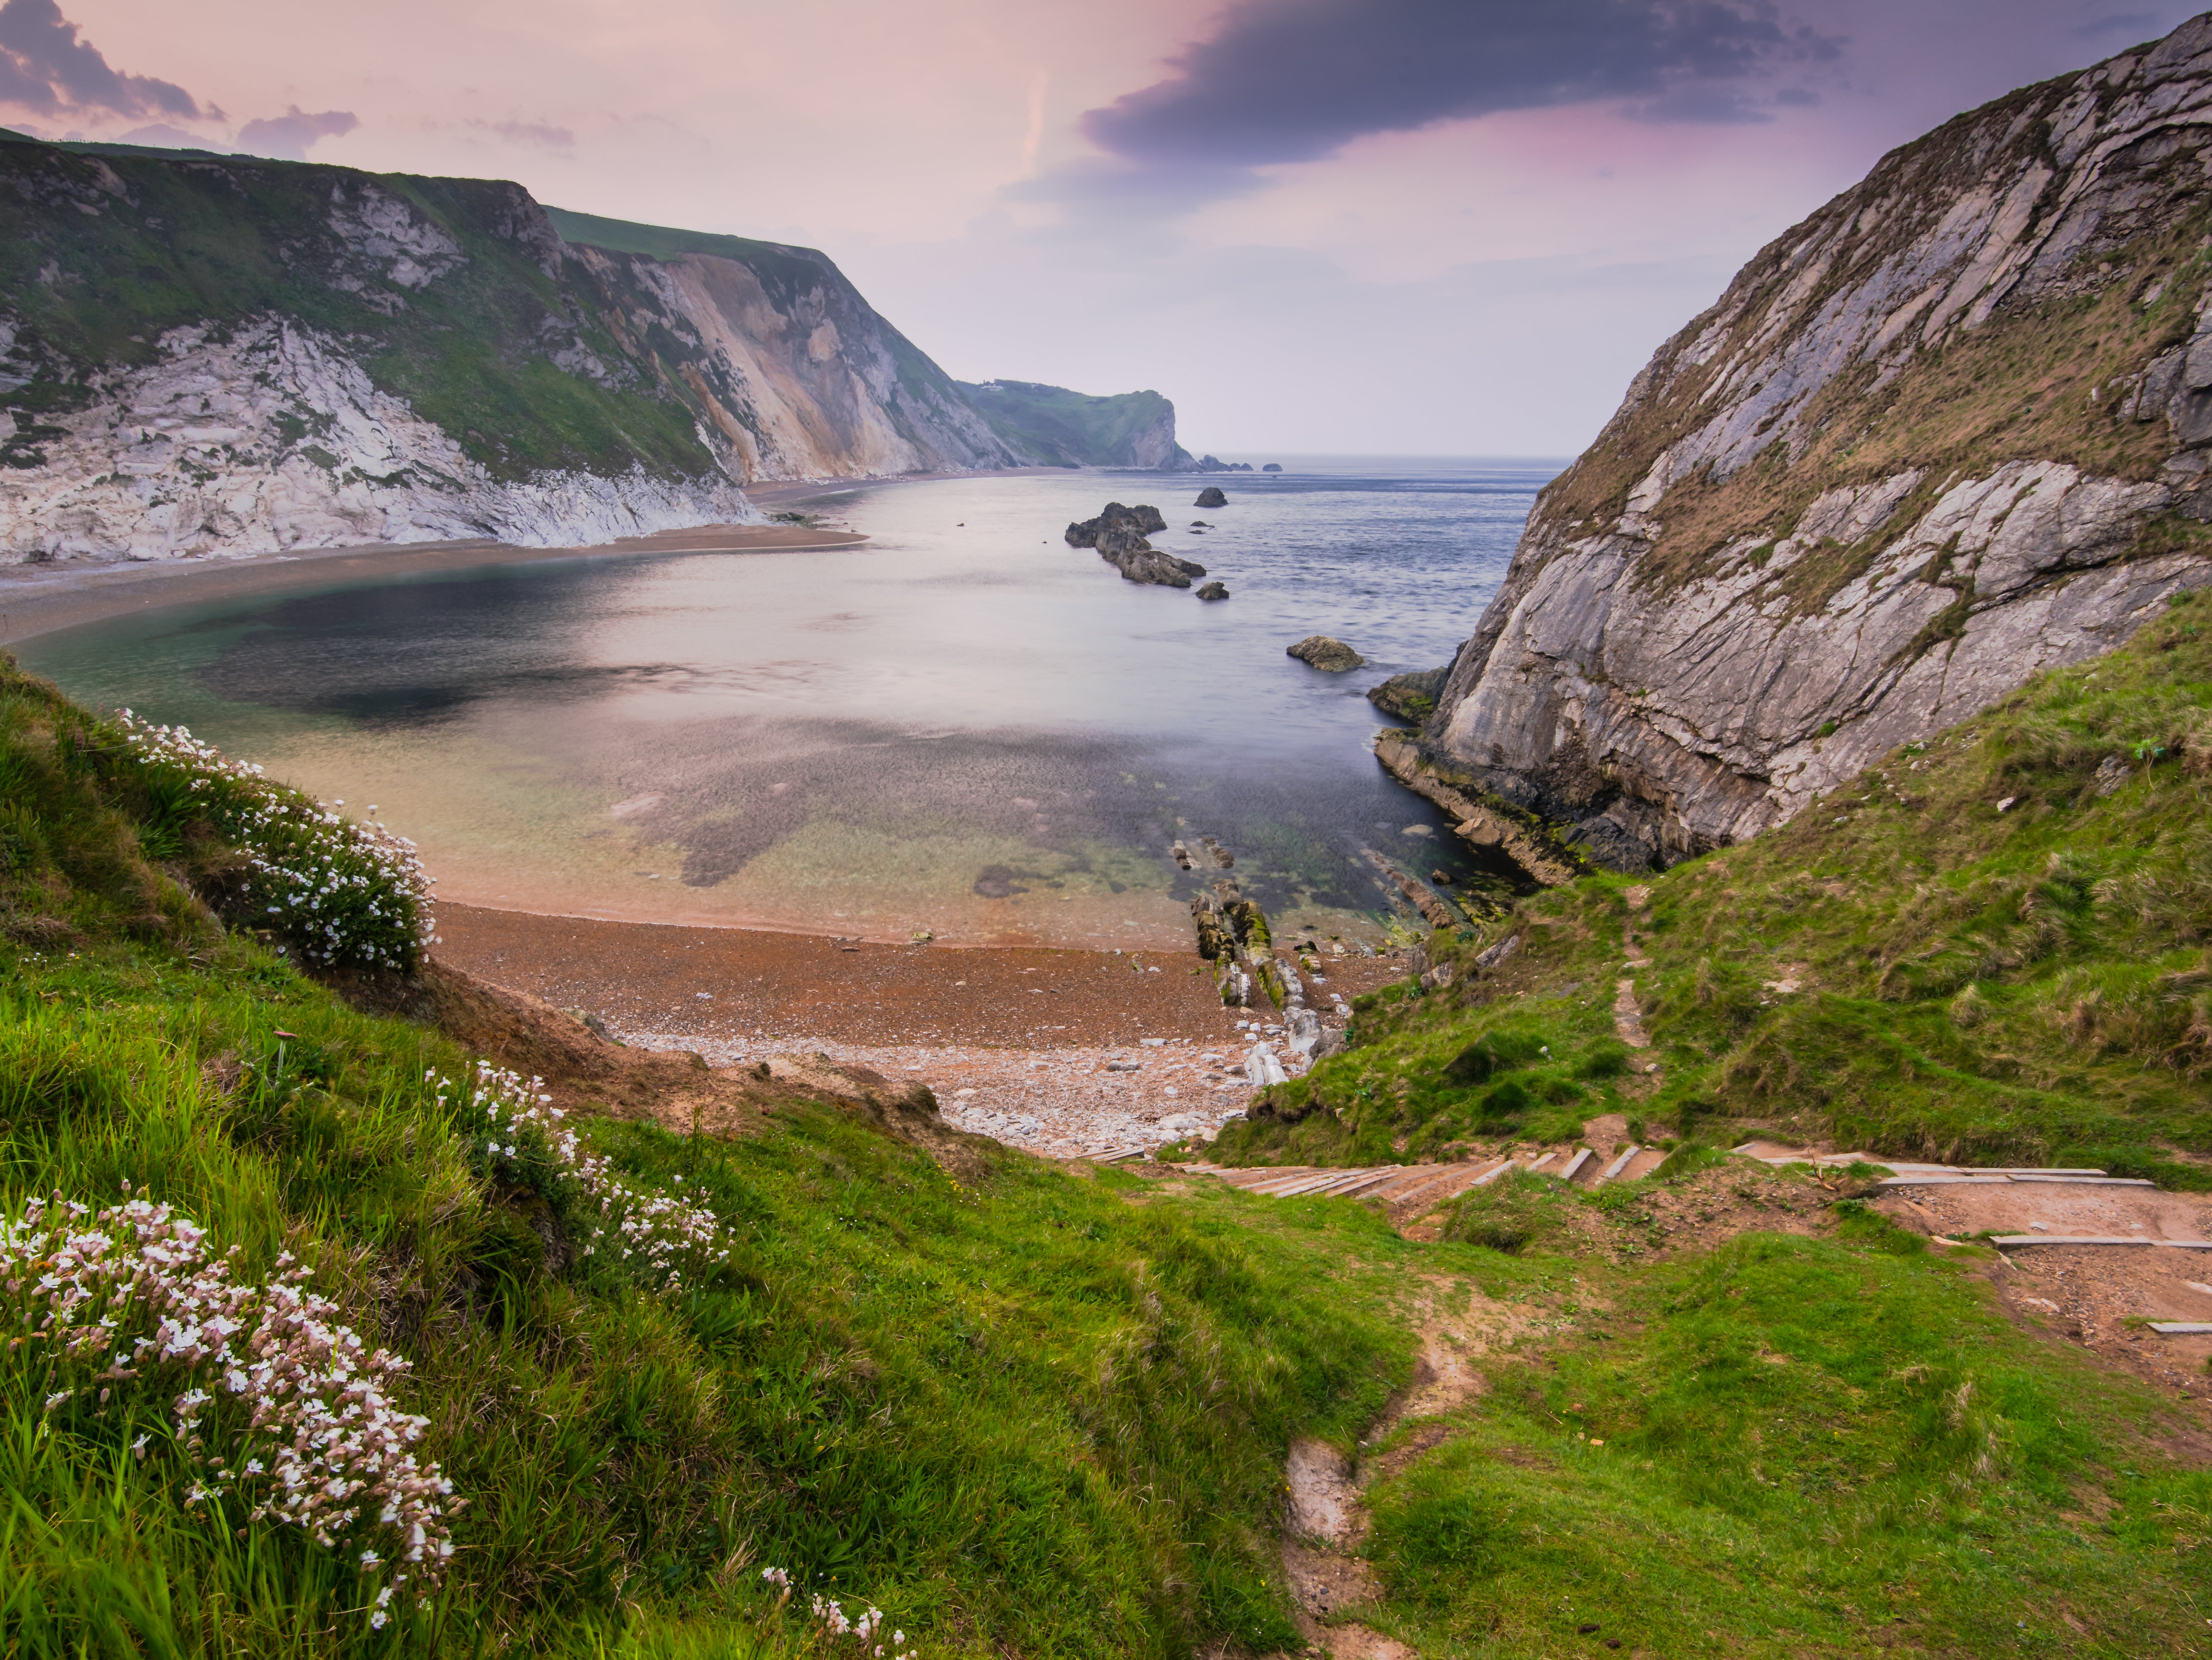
(1953,429)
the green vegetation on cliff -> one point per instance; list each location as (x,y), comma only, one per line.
(1074,429)
(1994,947)
(101,254)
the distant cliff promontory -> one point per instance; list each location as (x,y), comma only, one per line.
(1953,429)
(205,353)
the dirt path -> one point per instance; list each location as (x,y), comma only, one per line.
(1325,1514)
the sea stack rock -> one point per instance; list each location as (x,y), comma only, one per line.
(1213,590)
(1332,656)
(1211,496)
(1273,466)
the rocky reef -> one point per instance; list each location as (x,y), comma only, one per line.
(1119,534)
(1953,429)
(1211,496)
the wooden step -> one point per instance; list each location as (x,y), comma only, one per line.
(2096,1239)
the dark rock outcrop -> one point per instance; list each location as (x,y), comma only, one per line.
(1144,520)
(1211,496)
(1332,656)
(1411,698)
(1119,533)
(1952,430)
(1213,590)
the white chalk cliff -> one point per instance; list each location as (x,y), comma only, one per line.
(222,356)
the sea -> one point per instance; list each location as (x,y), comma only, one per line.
(962,728)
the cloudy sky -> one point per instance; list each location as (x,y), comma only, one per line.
(1441,227)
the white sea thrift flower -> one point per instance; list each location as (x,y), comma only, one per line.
(658,1234)
(315,1440)
(341,892)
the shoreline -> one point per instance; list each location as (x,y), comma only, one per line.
(46,598)
(1067,1051)
(40,599)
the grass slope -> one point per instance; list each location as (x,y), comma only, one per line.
(1788,1447)
(1991,948)
(1023,1409)
(101,254)
(1073,428)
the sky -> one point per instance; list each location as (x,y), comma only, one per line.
(1361,227)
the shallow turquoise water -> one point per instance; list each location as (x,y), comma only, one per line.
(965,725)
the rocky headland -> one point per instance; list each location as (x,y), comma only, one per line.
(225,355)
(1953,429)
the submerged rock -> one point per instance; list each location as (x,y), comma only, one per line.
(1333,656)
(1213,590)
(1211,496)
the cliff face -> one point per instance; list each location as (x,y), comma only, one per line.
(1951,429)
(1066,429)
(206,354)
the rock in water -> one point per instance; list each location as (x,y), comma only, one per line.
(1119,535)
(1677,660)
(1213,590)
(1144,520)
(1211,496)
(1323,653)
(1410,697)
(1273,466)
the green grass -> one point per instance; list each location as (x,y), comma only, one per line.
(99,275)
(1030,1412)
(1021,1408)
(1788,1447)
(2031,985)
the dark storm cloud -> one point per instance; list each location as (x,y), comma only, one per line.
(45,65)
(1296,80)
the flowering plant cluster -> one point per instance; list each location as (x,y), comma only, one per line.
(282,1410)
(340,891)
(833,1619)
(516,1131)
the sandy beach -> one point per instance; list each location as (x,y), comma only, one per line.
(1067,1052)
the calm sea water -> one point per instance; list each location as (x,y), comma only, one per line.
(963,726)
